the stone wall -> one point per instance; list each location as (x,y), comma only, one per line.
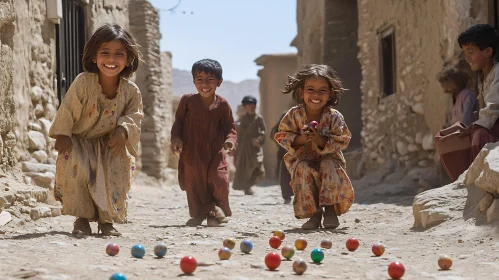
(308,41)
(8,23)
(273,103)
(99,12)
(35,89)
(155,95)
(400,128)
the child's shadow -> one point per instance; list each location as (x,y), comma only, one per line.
(168,226)
(342,230)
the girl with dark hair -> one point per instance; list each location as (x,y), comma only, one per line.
(314,135)
(97,132)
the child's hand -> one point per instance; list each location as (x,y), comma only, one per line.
(255,142)
(467,131)
(63,144)
(230,148)
(117,142)
(176,146)
(302,138)
(317,138)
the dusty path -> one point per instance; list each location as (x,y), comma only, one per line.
(46,250)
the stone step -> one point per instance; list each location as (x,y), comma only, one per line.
(16,194)
(25,203)
(43,210)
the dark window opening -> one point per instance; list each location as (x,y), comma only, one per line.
(70,36)
(386,42)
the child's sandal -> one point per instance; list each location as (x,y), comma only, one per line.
(194,222)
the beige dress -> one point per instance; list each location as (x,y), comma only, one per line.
(91,181)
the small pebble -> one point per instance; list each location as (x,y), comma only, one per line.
(6,189)
(357,220)
(460,241)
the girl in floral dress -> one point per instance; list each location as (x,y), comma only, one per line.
(315,160)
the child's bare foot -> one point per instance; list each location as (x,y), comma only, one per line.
(330,218)
(486,201)
(212,222)
(314,222)
(194,222)
(248,191)
(287,200)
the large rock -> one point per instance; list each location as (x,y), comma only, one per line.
(460,199)
(36,141)
(435,206)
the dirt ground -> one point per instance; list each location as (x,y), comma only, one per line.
(46,250)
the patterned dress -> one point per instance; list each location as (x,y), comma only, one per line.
(318,177)
(91,181)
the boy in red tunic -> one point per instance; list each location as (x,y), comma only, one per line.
(203,131)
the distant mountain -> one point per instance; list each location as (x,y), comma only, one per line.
(234,93)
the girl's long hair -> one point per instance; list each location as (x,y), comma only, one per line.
(108,33)
(296,82)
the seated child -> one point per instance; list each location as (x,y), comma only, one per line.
(479,43)
(455,151)
(464,101)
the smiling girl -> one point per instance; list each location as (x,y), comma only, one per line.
(97,131)
(315,160)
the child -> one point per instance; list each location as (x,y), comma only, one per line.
(203,129)
(282,171)
(249,156)
(314,157)
(97,123)
(479,43)
(453,81)
(455,151)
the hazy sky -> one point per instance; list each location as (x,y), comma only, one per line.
(234,32)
